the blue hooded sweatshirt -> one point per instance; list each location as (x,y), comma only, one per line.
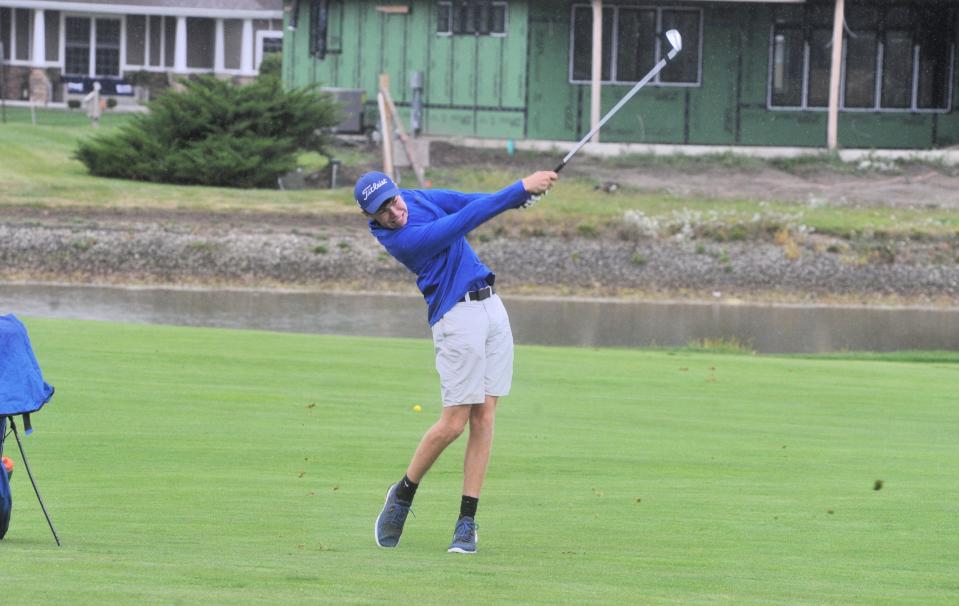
(433,243)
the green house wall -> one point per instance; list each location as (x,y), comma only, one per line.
(518,86)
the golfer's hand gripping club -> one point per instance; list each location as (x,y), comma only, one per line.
(537,185)
(674,42)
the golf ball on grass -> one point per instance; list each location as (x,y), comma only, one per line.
(417,408)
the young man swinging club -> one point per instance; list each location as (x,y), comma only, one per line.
(425,230)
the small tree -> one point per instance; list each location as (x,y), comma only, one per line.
(215,133)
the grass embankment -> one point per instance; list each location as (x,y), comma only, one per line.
(204,466)
(38,169)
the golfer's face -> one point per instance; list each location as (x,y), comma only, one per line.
(393,214)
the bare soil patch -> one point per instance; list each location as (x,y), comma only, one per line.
(872,183)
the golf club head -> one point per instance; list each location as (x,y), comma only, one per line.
(675,42)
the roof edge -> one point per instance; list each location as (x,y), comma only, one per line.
(132,9)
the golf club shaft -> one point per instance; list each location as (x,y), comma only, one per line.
(23,455)
(652,74)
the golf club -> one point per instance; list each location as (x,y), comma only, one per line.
(675,41)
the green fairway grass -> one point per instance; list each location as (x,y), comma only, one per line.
(204,466)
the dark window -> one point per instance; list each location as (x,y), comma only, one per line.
(200,35)
(5,21)
(583,43)
(897,63)
(820,60)
(635,43)
(156,40)
(326,27)
(935,64)
(497,25)
(894,58)
(77,46)
(136,39)
(632,44)
(685,67)
(787,70)
(272,45)
(169,41)
(471,17)
(24,24)
(444,17)
(107,55)
(862,53)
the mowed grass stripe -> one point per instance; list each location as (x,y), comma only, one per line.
(187,465)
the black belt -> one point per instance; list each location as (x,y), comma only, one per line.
(479,295)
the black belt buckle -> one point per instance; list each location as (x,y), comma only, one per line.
(479,295)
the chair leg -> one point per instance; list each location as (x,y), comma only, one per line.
(26,465)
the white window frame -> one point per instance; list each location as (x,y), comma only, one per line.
(877,93)
(656,81)
(258,51)
(12,60)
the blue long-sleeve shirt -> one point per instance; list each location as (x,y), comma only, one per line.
(433,243)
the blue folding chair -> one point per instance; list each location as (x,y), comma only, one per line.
(22,392)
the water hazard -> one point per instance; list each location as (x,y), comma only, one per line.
(590,323)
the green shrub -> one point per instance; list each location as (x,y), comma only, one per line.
(74,104)
(111,102)
(215,133)
(272,65)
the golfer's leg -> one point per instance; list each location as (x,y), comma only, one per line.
(436,439)
(482,418)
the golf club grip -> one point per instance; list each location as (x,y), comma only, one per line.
(560,167)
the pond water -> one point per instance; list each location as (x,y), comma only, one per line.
(555,321)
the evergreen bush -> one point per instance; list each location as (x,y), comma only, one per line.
(215,132)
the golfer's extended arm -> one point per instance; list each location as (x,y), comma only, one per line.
(429,239)
(451,201)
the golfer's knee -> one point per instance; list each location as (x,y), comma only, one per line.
(482,419)
(450,429)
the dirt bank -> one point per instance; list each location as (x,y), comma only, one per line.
(333,250)
(336,251)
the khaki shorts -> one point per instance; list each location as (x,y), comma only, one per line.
(474,352)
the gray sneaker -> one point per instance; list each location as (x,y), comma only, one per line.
(389,524)
(464,537)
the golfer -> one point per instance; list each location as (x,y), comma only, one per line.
(425,230)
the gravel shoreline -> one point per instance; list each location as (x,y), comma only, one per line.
(336,252)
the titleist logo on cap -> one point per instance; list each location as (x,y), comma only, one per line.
(372,187)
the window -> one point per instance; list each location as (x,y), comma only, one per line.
(23,21)
(107,48)
(155,41)
(273,45)
(894,58)
(104,37)
(632,44)
(267,42)
(326,27)
(16,34)
(471,17)
(5,28)
(77,56)
(582,46)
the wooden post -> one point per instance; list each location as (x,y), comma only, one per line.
(407,144)
(597,75)
(386,127)
(835,70)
